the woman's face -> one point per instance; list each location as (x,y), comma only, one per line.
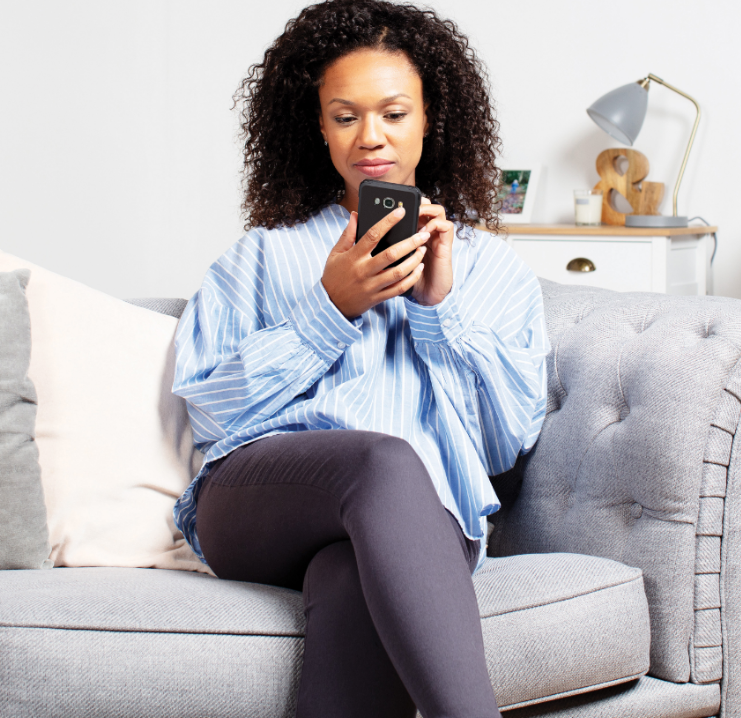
(373,118)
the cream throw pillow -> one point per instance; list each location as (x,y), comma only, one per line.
(115,444)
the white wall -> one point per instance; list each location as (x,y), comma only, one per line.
(118,155)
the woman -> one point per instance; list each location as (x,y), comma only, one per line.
(350,431)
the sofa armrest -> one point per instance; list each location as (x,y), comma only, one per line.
(730,586)
(642,414)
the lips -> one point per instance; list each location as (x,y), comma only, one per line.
(375,167)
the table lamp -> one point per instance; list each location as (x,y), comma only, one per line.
(620,113)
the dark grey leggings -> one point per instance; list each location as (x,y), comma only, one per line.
(352,518)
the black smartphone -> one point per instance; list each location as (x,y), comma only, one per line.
(376,200)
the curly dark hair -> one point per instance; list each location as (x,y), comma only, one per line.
(288,173)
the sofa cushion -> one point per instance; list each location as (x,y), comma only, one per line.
(171,307)
(559,624)
(553,626)
(644,697)
(135,600)
(636,382)
(24,539)
(115,445)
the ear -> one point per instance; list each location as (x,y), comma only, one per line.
(321,127)
(426,130)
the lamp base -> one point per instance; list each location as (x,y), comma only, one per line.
(654,220)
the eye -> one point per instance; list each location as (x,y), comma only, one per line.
(344,119)
(396,116)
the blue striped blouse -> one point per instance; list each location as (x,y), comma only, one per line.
(261,349)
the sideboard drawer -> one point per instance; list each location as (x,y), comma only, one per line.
(624,266)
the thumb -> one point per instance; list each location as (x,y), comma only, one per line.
(347,238)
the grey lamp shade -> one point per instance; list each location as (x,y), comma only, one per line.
(621,112)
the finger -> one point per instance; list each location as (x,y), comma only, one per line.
(347,238)
(397,251)
(431,210)
(392,275)
(396,290)
(443,227)
(426,201)
(429,213)
(374,235)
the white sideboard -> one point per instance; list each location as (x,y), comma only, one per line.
(627,259)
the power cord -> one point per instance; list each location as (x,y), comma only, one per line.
(715,237)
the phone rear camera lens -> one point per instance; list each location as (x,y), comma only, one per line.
(388,203)
(378,200)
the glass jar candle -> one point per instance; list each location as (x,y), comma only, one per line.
(588,207)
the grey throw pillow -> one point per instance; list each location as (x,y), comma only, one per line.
(24,539)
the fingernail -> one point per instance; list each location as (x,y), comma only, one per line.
(424,235)
(423,250)
(399,212)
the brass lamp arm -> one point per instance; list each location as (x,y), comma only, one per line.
(644,83)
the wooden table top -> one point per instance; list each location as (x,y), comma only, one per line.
(604,230)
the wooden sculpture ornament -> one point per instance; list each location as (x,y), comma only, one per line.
(643,200)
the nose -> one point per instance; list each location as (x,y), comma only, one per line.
(370,133)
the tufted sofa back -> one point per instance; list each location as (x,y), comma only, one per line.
(644,399)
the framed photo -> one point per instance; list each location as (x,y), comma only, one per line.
(517,196)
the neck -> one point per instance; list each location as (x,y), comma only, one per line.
(350,200)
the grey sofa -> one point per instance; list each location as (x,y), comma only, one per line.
(612,587)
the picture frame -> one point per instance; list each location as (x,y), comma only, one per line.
(515,206)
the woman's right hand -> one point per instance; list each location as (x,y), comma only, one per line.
(356,281)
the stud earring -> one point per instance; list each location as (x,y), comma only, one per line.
(325,143)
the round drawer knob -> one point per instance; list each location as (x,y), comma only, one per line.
(581,264)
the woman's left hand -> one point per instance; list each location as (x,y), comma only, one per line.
(437,278)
